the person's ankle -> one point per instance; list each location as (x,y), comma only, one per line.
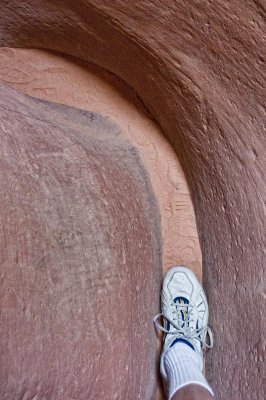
(183,367)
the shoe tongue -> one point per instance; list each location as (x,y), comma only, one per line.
(183,312)
(178,300)
(181,300)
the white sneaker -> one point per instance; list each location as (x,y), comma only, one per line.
(184,312)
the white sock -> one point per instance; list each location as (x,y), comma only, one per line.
(183,367)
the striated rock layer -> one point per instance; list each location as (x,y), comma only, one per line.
(199,67)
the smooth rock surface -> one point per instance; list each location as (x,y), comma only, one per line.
(65,80)
(199,68)
(80,256)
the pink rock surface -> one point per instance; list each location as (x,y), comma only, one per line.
(83,85)
(80,256)
(199,67)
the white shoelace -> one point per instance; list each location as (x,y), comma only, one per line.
(183,329)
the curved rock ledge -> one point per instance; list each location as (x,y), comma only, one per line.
(68,81)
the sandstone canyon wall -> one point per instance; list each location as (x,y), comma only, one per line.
(80,262)
(199,68)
